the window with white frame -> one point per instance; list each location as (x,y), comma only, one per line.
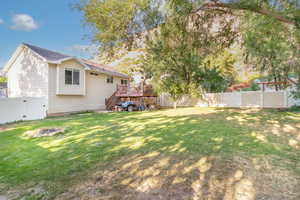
(72,76)
(110,79)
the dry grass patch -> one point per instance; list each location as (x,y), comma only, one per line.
(158,176)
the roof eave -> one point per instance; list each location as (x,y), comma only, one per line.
(13,58)
(21,48)
(15,55)
(86,67)
(58,62)
(110,73)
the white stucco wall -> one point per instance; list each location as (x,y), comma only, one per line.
(96,90)
(28,76)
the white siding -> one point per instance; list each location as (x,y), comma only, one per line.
(28,76)
(64,89)
(31,76)
(96,90)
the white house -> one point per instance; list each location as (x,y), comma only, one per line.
(69,84)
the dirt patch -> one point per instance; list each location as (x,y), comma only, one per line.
(26,192)
(158,177)
(44,132)
(6,127)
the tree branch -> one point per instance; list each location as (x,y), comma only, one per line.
(235,6)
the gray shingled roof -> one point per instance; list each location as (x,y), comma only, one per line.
(47,54)
(52,56)
(103,69)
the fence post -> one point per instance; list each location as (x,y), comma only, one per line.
(262,99)
(285,99)
(240,100)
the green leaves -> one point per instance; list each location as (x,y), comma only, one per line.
(176,57)
(184,34)
(297,19)
(272,46)
(115,22)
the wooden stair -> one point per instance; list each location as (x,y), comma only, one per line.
(112,101)
(126,91)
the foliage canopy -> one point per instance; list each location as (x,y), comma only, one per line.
(192,37)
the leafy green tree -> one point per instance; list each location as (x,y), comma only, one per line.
(131,63)
(271,35)
(270,47)
(223,62)
(117,23)
(285,11)
(176,57)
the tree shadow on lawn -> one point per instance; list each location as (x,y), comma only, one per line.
(162,156)
(283,126)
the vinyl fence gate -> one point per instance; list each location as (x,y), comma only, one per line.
(20,109)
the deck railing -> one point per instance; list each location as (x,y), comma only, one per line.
(127,90)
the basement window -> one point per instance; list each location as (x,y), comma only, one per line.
(72,77)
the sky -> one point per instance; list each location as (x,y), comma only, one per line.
(51,24)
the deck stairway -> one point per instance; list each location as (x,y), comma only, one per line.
(131,92)
(112,101)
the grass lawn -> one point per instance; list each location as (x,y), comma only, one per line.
(188,153)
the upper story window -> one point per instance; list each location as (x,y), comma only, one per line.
(110,79)
(124,82)
(72,77)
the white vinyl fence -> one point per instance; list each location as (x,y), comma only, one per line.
(251,99)
(18,109)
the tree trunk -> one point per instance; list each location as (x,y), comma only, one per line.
(175,105)
(275,80)
(279,80)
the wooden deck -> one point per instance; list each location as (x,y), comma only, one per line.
(127,91)
(135,91)
(142,94)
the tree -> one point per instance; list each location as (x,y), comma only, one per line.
(176,57)
(276,52)
(285,11)
(130,63)
(223,62)
(118,23)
